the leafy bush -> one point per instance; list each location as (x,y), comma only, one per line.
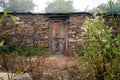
(102,50)
(29,50)
(5,49)
(25,50)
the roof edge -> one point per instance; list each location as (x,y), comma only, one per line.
(30,13)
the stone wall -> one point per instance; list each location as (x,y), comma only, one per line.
(75,33)
(29,30)
(33,29)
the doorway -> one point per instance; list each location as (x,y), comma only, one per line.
(58,36)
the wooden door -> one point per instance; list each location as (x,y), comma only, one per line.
(58,36)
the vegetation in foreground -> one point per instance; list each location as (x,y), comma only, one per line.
(102,47)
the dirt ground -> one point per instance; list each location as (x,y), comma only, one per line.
(58,67)
(55,67)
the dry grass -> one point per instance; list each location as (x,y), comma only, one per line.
(44,68)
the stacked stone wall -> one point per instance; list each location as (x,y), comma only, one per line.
(34,30)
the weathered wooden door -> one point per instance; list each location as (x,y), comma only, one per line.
(58,36)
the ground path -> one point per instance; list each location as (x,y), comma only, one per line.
(58,67)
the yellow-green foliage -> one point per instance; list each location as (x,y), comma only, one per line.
(102,49)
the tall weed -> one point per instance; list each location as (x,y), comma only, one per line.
(102,48)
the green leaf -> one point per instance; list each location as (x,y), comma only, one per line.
(5,14)
(15,19)
(1,43)
(118,38)
(3,17)
(17,73)
(50,78)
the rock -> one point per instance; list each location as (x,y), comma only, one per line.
(25,76)
(4,75)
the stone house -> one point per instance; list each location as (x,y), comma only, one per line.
(56,31)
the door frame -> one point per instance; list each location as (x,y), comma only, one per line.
(51,20)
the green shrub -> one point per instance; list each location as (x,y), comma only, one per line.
(29,50)
(101,49)
(5,49)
